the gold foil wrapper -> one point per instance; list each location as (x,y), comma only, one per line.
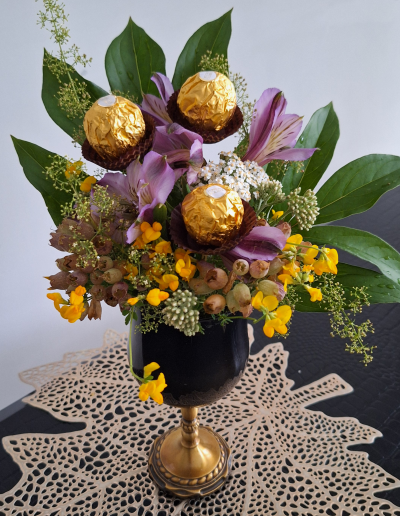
(112,125)
(212,214)
(207,100)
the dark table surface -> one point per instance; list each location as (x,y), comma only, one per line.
(313,354)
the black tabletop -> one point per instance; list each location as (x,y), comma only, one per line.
(313,354)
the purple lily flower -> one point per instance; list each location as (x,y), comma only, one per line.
(262,243)
(180,145)
(273,133)
(156,107)
(145,185)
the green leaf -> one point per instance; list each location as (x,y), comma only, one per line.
(214,36)
(365,245)
(50,89)
(357,186)
(322,131)
(34,160)
(131,60)
(380,288)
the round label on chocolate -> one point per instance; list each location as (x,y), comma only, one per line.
(216,192)
(107,101)
(207,76)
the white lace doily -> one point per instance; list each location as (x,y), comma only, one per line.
(287,460)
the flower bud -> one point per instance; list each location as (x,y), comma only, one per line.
(214,304)
(203,267)
(59,281)
(281,291)
(85,230)
(120,289)
(233,305)
(94,311)
(240,267)
(61,242)
(247,310)
(242,294)
(216,278)
(259,269)
(110,299)
(286,228)
(104,263)
(145,261)
(268,288)
(85,312)
(275,266)
(103,245)
(78,278)
(98,292)
(199,286)
(60,262)
(112,276)
(96,277)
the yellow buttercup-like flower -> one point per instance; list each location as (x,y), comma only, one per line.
(153,389)
(269,302)
(72,313)
(310,254)
(184,267)
(315,293)
(132,301)
(286,279)
(291,268)
(326,262)
(57,299)
(155,296)
(163,247)
(149,368)
(293,239)
(132,270)
(87,184)
(277,214)
(276,321)
(73,310)
(73,169)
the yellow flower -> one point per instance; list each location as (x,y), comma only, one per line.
(149,234)
(132,270)
(58,300)
(185,268)
(72,313)
(277,214)
(149,368)
(132,301)
(326,262)
(86,185)
(73,169)
(269,302)
(278,320)
(310,254)
(315,293)
(76,297)
(153,389)
(155,296)
(294,239)
(163,247)
(286,279)
(171,281)
(291,268)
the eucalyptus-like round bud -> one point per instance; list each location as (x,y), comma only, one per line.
(96,277)
(232,304)
(120,289)
(259,269)
(240,267)
(98,292)
(214,304)
(105,263)
(203,267)
(275,266)
(216,278)
(242,294)
(199,286)
(112,276)
(268,287)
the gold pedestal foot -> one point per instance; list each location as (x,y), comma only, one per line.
(190,460)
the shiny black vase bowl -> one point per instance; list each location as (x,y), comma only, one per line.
(199,370)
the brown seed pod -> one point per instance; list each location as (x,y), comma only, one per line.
(242,294)
(199,286)
(204,267)
(259,269)
(231,280)
(214,304)
(120,289)
(246,310)
(240,267)
(231,302)
(94,311)
(216,278)
(275,266)
(286,228)
(96,277)
(105,263)
(98,292)
(112,276)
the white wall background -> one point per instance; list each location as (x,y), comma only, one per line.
(316,51)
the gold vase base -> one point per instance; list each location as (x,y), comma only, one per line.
(190,471)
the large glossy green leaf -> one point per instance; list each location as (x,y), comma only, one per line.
(322,131)
(380,288)
(365,245)
(213,36)
(131,60)
(50,89)
(357,186)
(34,160)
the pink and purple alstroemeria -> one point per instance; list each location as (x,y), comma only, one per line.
(145,185)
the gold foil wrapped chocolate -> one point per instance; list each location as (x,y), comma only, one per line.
(212,214)
(207,100)
(112,125)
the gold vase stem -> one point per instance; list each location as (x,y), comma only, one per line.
(190,427)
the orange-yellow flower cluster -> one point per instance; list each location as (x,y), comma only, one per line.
(184,266)
(152,388)
(73,309)
(276,317)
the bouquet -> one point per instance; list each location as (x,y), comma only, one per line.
(159,231)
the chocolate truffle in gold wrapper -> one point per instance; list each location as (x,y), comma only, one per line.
(212,214)
(207,100)
(112,125)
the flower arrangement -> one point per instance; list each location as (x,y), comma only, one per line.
(167,234)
